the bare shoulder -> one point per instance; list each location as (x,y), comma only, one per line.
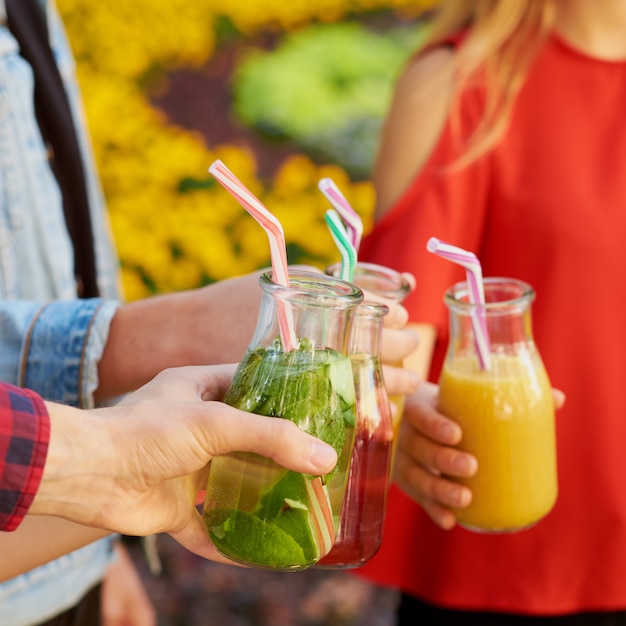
(414,122)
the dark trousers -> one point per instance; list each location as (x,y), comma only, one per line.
(85,613)
(414,612)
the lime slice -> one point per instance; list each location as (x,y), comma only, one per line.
(296,522)
(244,537)
(288,489)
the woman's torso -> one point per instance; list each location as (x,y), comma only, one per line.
(547,205)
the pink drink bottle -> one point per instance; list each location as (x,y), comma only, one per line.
(363,511)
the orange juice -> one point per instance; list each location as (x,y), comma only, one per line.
(397,400)
(507,417)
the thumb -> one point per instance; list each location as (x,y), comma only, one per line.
(194,537)
(272,437)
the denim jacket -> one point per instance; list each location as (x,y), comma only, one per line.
(50,341)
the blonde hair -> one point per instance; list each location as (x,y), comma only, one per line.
(502,38)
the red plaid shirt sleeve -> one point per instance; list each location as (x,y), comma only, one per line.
(24,438)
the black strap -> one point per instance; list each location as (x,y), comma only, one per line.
(27,23)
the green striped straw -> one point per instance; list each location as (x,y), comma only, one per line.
(342,241)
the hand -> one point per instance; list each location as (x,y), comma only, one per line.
(398,342)
(426,453)
(137,467)
(427,460)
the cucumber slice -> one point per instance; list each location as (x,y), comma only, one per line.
(339,373)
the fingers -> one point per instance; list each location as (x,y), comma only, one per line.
(427,460)
(559,398)
(294,449)
(194,537)
(421,413)
(272,437)
(442,459)
(434,493)
(187,383)
(397,317)
(400,381)
(410,279)
(397,344)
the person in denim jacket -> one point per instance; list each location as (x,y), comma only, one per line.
(84,352)
(39,305)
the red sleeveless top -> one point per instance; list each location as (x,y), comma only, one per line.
(547,205)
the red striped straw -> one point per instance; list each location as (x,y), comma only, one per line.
(476,289)
(352,219)
(276,236)
(322,513)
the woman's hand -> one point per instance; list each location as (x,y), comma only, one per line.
(398,342)
(427,459)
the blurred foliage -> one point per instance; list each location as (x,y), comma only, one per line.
(174,227)
(326,89)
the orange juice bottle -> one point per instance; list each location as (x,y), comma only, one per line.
(505,408)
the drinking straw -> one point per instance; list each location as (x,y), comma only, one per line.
(342,240)
(276,236)
(322,513)
(476,291)
(355,225)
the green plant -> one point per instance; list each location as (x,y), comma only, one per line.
(325,88)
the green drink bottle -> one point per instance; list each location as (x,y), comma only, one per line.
(256,512)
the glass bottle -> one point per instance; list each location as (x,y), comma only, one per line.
(389,284)
(255,511)
(361,528)
(502,399)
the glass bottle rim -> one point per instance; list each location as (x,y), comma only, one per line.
(313,289)
(369,308)
(396,288)
(512,294)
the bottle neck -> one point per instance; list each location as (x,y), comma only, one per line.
(319,309)
(366,336)
(502,323)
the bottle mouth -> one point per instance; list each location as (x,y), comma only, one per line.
(313,289)
(369,308)
(501,295)
(376,279)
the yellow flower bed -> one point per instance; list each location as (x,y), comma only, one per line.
(170,239)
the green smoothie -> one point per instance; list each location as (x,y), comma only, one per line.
(258,513)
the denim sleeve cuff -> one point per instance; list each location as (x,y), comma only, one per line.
(96,340)
(62,350)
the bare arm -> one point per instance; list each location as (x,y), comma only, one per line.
(201,327)
(427,440)
(413,124)
(40,539)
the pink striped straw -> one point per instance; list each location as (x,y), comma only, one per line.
(276,236)
(476,290)
(352,219)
